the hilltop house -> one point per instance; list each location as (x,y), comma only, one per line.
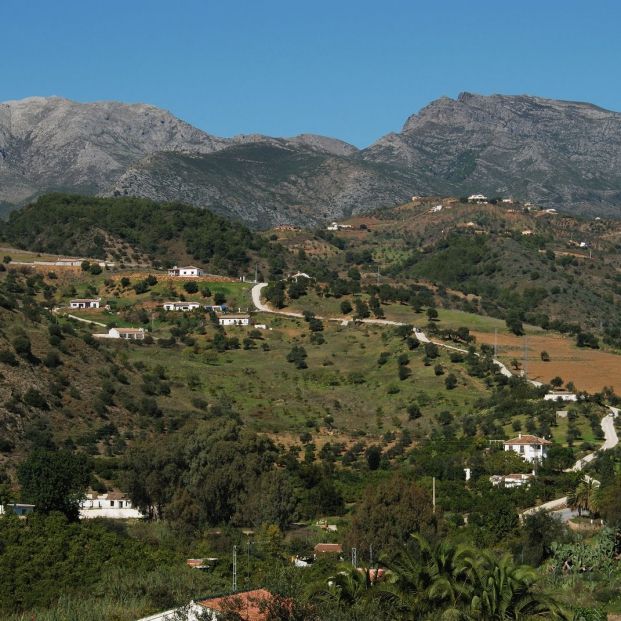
(531,448)
(115,505)
(181,306)
(85,303)
(189,271)
(234,320)
(477,198)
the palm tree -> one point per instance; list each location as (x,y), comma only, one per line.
(456,583)
(429,578)
(503,590)
(585,496)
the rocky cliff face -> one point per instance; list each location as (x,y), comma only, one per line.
(558,154)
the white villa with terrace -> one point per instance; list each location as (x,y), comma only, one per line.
(115,505)
(128,334)
(531,448)
(85,303)
(189,271)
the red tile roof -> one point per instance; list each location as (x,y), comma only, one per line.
(246,604)
(328,548)
(527,439)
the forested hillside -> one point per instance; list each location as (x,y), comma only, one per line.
(161,234)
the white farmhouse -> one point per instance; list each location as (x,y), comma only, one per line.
(477,198)
(560,395)
(17,508)
(85,303)
(189,271)
(114,505)
(181,306)
(129,334)
(234,320)
(531,448)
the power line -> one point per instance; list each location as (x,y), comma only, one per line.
(234,569)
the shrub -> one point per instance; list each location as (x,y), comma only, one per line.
(451,381)
(8,357)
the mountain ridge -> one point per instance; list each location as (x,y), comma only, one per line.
(560,154)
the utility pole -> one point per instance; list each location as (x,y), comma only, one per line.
(248,564)
(495,342)
(370,554)
(256,273)
(525,355)
(378,276)
(354,557)
(433,493)
(234,569)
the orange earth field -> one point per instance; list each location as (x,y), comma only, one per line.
(588,369)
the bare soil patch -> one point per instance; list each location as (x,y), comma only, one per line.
(588,369)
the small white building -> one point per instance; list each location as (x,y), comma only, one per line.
(234,320)
(181,306)
(115,505)
(530,448)
(510,480)
(477,198)
(560,395)
(129,334)
(85,303)
(189,271)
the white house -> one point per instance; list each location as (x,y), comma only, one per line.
(531,448)
(560,395)
(129,334)
(510,480)
(115,505)
(85,303)
(477,198)
(234,320)
(181,306)
(188,271)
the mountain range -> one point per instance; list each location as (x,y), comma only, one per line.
(558,154)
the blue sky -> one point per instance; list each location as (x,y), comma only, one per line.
(350,69)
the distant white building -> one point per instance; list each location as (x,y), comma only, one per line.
(531,448)
(477,198)
(129,334)
(181,306)
(510,480)
(115,505)
(234,320)
(560,395)
(189,271)
(85,303)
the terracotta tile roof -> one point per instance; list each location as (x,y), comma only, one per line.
(245,604)
(527,439)
(328,548)
(235,316)
(130,330)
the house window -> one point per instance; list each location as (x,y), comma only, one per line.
(521,449)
